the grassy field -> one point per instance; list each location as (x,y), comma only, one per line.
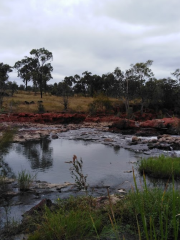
(51,103)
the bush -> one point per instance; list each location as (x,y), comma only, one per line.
(41,108)
(100,104)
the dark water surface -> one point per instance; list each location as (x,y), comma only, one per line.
(103,164)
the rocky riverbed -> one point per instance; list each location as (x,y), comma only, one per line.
(108,133)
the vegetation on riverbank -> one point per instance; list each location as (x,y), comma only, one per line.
(160,167)
(148,213)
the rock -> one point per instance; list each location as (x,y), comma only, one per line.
(122,190)
(135,139)
(124,124)
(160,145)
(9,194)
(108,140)
(8,180)
(45,185)
(104,200)
(54,136)
(38,208)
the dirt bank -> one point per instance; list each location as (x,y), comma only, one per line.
(114,123)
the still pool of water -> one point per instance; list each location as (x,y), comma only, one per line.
(103,164)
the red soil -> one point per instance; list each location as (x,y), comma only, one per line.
(65,118)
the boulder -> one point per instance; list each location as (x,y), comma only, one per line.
(135,139)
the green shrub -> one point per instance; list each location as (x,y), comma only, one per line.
(100,104)
(41,108)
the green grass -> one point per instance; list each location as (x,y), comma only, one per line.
(160,167)
(75,219)
(149,213)
(24,180)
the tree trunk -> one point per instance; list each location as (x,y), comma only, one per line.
(142,107)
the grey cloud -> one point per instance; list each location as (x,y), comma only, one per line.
(141,12)
(96,36)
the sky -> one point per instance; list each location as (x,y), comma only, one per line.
(92,35)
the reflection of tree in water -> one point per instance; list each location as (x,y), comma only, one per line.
(116,149)
(38,152)
(5,146)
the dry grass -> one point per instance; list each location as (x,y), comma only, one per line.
(51,103)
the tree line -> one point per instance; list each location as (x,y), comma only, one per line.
(137,83)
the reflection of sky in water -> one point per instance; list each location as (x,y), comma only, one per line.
(100,162)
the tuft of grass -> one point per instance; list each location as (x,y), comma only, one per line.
(73,220)
(160,167)
(24,180)
(152,213)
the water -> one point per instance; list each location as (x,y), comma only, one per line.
(47,158)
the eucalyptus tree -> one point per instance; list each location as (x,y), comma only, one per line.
(42,67)
(126,86)
(96,85)
(108,86)
(87,80)
(36,68)
(141,74)
(24,69)
(170,94)
(177,74)
(5,69)
(154,94)
(12,87)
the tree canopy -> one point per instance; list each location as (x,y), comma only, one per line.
(36,68)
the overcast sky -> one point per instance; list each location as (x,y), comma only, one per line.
(92,35)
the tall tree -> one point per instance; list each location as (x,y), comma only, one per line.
(87,80)
(12,87)
(126,86)
(25,68)
(142,73)
(5,69)
(42,67)
(36,68)
(177,74)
